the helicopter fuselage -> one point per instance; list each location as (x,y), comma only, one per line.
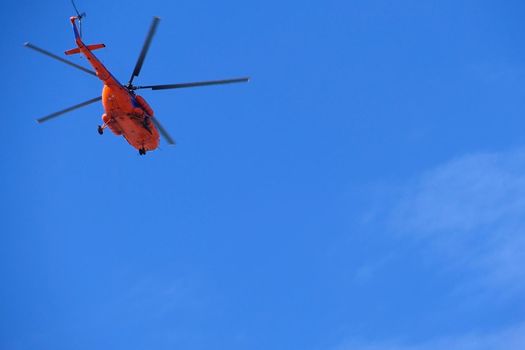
(126,113)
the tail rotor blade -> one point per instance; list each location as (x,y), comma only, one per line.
(163,131)
(145,48)
(64,111)
(49,54)
(79,16)
(76,10)
(195,84)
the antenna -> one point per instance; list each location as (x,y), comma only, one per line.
(79,16)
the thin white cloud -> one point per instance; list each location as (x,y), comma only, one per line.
(466,194)
(467,215)
(471,212)
(512,338)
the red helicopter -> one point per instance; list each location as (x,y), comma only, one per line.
(126,113)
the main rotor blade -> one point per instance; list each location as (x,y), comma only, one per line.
(145,47)
(195,84)
(47,53)
(72,108)
(163,131)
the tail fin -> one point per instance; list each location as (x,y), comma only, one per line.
(89,47)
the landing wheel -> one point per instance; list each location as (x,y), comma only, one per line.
(142,151)
(100,130)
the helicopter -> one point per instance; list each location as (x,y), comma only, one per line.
(126,113)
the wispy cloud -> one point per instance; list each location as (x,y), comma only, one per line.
(467,215)
(512,338)
(471,212)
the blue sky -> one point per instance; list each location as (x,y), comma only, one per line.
(365,191)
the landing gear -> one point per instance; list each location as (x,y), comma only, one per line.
(106,121)
(142,151)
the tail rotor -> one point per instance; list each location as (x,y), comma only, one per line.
(79,16)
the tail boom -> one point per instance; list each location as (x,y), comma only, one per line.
(102,72)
